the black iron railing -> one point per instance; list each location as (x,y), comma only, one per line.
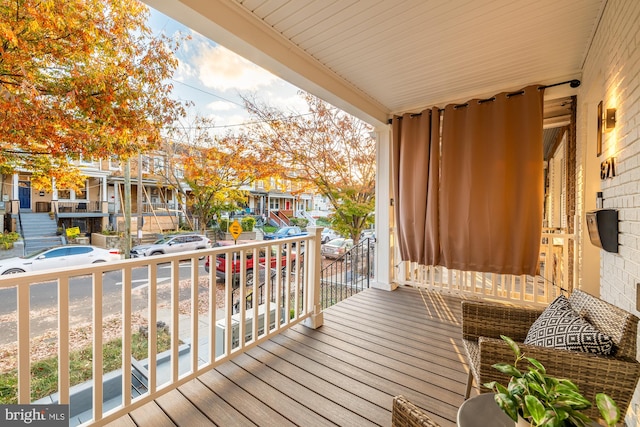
(339,278)
(348,274)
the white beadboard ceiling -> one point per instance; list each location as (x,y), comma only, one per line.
(376,58)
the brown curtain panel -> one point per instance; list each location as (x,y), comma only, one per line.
(416,154)
(491,202)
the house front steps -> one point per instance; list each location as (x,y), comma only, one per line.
(39,231)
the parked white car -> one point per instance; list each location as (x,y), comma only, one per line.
(61,256)
(172,244)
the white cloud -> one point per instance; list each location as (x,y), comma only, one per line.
(184,71)
(221,106)
(220,69)
(287,100)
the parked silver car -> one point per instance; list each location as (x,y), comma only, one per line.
(62,256)
(172,244)
(336,248)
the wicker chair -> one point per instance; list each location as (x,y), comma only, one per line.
(617,375)
(406,414)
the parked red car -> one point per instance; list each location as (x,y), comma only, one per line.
(250,262)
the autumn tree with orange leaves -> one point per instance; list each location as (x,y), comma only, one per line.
(326,148)
(80,78)
(215,168)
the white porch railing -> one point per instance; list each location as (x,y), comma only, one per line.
(556,276)
(174,288)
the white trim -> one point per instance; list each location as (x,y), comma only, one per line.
(383,214)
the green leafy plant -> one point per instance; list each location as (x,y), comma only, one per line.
(108,231)
(300,222)
(8,239)
(544,400)
(247,223)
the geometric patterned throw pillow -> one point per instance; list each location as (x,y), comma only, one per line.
(559,326)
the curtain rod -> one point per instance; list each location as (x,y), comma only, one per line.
(573,83)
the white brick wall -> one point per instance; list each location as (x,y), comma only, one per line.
(614,61)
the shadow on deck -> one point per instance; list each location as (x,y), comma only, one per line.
(372,346)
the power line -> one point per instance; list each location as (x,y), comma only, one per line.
(208,93)
(230,101)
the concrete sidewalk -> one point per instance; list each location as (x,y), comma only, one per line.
(17,250)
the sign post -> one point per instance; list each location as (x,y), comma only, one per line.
(235,229)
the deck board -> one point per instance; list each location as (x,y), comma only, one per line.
(151,414)
(372,346)
(212,405)
(181,411)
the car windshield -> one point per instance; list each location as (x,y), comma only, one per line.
(163,240)
(336,242)
(35,254)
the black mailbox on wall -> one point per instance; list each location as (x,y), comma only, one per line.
(602,225)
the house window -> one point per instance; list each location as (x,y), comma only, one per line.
(260,184)
(82,193)
(67,194)
(159,165)
(274,204)
(145,164)
(114,163)
(87,161)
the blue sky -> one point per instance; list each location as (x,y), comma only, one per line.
(212,77)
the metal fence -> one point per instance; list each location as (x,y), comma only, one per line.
(347,275)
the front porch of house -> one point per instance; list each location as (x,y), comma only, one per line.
(371,347)
(336,364)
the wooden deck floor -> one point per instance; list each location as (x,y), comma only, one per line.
(372,346)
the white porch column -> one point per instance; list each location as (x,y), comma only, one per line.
(104,203)
(54,189)
(104,188)
(313,289)
(384,211)
(16,185)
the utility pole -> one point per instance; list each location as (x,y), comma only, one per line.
(127,209)
(140,219)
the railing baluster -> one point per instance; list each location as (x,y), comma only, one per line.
(175,319)
(126,337)
(242,298)
(63,339)
(213,308)
(24,346)
(195,288)
(152,272)
(97,347)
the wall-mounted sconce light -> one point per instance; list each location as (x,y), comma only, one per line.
(610,119)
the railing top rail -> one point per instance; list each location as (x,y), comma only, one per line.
(7,281)
(558,235)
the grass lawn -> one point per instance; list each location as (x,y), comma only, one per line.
(44,373)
